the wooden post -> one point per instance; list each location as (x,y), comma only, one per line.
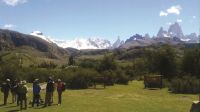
(199,54)
(199,60)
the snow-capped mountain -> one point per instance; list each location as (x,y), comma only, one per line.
(175,30)
(191,38)
(174,35)
(135,37)
(162,33)
(40,35)
(82,43)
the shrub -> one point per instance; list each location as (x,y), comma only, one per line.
(80,79)
(185,84)
(47,65)
(121,77)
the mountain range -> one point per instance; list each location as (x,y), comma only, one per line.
(174,35)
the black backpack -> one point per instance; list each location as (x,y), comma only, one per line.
(50,86)
(4,87)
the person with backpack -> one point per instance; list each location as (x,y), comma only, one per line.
(60,89)
(36,92)
(49,92)
(14,87)
(5,89)
(22,91)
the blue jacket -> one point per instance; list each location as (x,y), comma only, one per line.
(36,88)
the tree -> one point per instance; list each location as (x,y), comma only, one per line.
(71,60)
(108,63)
(191,62)
(163,61)
(139,66)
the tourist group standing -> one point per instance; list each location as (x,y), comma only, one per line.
(19,90)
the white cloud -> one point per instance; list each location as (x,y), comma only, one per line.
(169,23)
(172,10)
(179,20)
(162,13)
(194,17)
(14,2)
(9,26)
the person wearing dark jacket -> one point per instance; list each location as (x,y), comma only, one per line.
(49,92)
(22,91)
(5,89)
(36,92)
(14,87)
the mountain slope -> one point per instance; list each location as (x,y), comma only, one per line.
(11,40)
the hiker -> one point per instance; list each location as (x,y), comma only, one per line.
(60,89)
(5,89)
(49,92)
(14,87)
(36,92)
(17,93)
(22,91)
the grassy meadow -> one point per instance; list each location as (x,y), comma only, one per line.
(118,98)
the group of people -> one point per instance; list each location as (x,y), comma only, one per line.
(19,92)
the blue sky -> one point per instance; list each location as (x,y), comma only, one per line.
(108,19)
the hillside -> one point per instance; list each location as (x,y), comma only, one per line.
(32,49)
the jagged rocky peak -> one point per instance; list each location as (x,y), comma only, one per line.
(135,37)
(162,33)
(117,43)
(175,30)
(192,35)
(147,35)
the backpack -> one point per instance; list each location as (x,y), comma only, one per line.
(63,86)
(22,89)
(3,87)
(50,86)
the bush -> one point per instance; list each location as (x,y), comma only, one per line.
(46,65)
(89,63)
(110,77)
(80,79)
(121,78)
(185,84)
(40,73)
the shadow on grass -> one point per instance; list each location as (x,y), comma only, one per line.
(2,105)
(11,106)
(154,89)
(16,110)
(42,106)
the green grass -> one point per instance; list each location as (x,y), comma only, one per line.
(30,56)
(118,98)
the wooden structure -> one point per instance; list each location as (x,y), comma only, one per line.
(195,106)
(99,80)
(153,81)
